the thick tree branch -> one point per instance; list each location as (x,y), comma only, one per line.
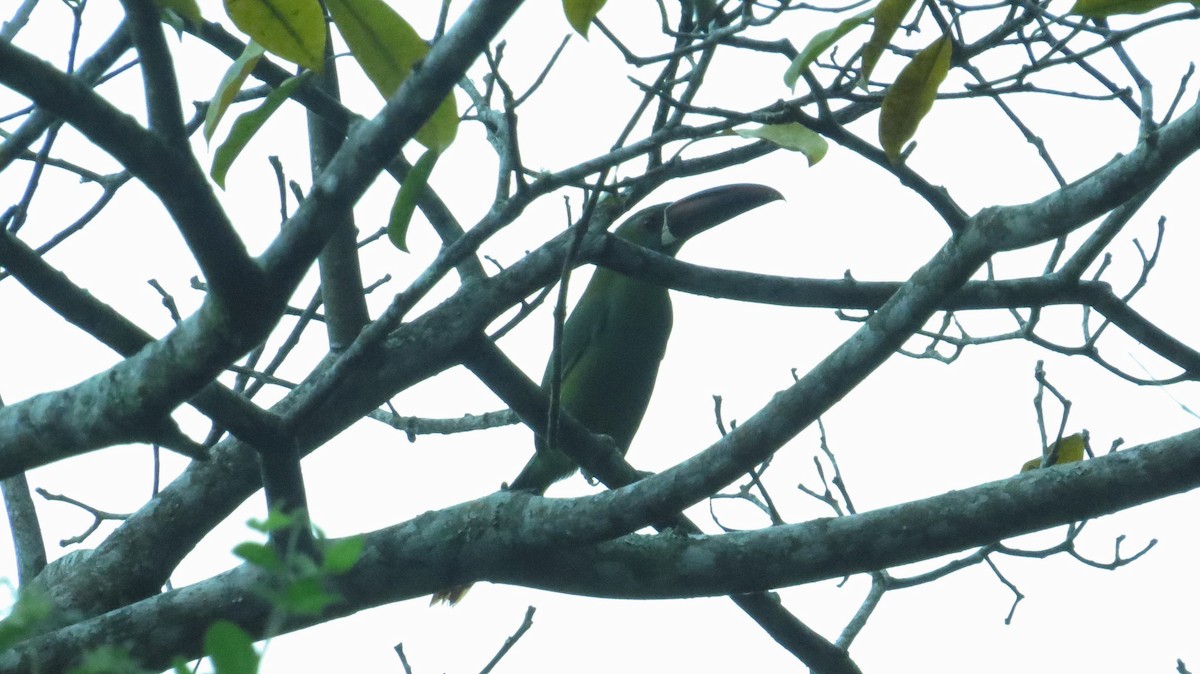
(599,457)
(168,169)
(205,343)
(121,404)
(341,276)
(375,142)
(39,120)
(163,107)
(579,545)
(993,230)
(80,308)
(428,345)
(641,566)
(655,566)
(337,116)
(1042,291)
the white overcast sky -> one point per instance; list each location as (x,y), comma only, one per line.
(915,429)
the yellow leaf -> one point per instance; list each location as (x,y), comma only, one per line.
(1101,8)
(795,137)
(188,9)
(888,16)
(291,29)
(1068,450)
(580,14)
(911,96)
(387,47)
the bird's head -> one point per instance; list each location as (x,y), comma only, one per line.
(664,227)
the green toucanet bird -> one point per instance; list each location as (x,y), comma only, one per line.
(617,334)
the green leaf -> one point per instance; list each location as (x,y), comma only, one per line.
(27,617)
(108,659)
(1098,9)
(230,84)
(188,9)
(387,47)
(794,136)
(257,554)
(406,199)
(911,96)
(247,125)
(231,649)
(889,14)
(307,596)
(819,44)
(276,521)
(341,556)
(580,14)
(291,29)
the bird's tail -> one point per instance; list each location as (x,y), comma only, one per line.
(450,596)
(537,475)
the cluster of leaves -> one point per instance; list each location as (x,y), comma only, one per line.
(29,615)
(295,584)
(300,582)
(911,96)
(382,42)
(387,48)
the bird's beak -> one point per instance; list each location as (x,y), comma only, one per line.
(704,210)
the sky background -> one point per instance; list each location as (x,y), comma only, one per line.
(913,430)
